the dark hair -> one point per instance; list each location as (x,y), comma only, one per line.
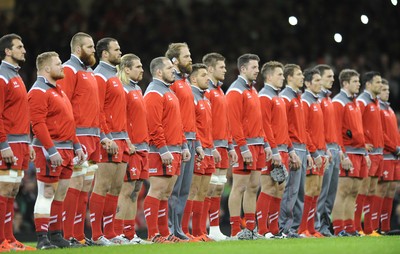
(6,43)
(243,60)
(346,75)
(102,45)
(385,82)
(309,74)
(269,68)
(211,59)
(288,70)
(196,67)
(322,68)
(369,76)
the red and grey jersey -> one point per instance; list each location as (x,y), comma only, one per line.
(219,111)
(203,119)
(163,118)
(244,113)
(136,116)
(372,124)
(273,110)
(390,130)
(295,115)
(14,110)
(314,120)
(80,85)
(51,116)
(183,91)
(330,123)
(349,123)
(112,102)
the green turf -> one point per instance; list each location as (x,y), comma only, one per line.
(348,245)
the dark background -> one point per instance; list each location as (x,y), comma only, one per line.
(230,27)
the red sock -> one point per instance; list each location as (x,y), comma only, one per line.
(262,210)
(151,206)
(204,215)
(308,200)
(163,218)
(118,226)
(349,226)
(368,214)
(109,215)
(358,211)
(215,206)
(338,226)
(129,229)
(42,224)
(3,209)
(96,207)
(274,215)
(250,221)
(186,216)
(196,218)
(71,204)
(80,216)
(235,225)
(311,217)
(8,228)
(56,215)
(386,213)
(376,213)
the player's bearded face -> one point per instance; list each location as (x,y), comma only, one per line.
(87,59)
(185,68)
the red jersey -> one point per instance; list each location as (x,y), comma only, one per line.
(163,118)
(314,120)
(372,124)
(80,85)
(219,113)
(14,110)
(183,91)
(295,115)
(203,118)
(244,112)
(390,128)
(273,110)
(330,123)
(136,116)
(349,123)
(52,117)
(112,102)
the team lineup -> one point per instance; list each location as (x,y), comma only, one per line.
(302,162)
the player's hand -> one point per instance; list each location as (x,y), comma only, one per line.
(32,153)
(368,160)
(268,153)
(80,155)
(167,158)
(347,164)
(276,159)
(112,147)
(56,160)
(8,156)
(294,161)
(247,157)
(200,153)
(233,157)
(217,156)
(369,147)
(186,155)
(132,149)
(310,162)
(318,162)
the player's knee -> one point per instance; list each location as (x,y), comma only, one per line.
(44,198)
(218,190)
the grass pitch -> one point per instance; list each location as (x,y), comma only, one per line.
(344,245)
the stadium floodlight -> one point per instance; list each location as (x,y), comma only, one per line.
(293,20)
(337,37)
(364,19)
(394,2)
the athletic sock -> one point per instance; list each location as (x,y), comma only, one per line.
(56,216)
(250,221)
(129,229)
(274,215)
(338,226)
(235,225)
(308,200)
(8,227)
(109,215)
(96,207)
(80,216)
(71,204)
(186,216)
(386,214)
(163,218)
(151,206)
(262,210)
(358,211)
(204,215)
(215,207)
